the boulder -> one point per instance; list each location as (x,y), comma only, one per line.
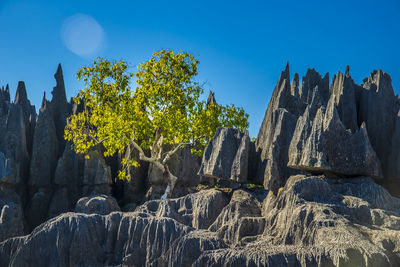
(227,155)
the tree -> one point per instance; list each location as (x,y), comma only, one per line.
(164,110)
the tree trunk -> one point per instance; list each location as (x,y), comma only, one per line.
(171,183)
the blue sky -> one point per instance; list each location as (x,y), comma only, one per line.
(242,45)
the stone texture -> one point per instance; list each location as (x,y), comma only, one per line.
(240,218)
(29,113)
(343,90)
(14,143)
(197,210)
(227,155)
(324,145)
(378,111)
(311,221)
(60,107)
(273,140)
(97,204)
(11,221)
(44,150)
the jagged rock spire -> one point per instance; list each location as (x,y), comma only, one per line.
(58,92)
(7,93)
(60,108)
(211,99)
(20,94)
(347,70)
(44,101)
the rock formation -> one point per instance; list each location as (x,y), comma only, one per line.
(312,221)
(346,129)
(319,155)
(226,155)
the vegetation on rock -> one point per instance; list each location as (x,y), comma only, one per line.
(164,110)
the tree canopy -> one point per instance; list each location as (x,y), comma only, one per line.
(164,109)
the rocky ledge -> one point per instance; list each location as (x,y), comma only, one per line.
(311,221)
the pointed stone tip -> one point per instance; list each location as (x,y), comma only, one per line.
(20,94)
(59,69)
(43,106)
(211,98)
(7,88)
(59,75)
(347,70)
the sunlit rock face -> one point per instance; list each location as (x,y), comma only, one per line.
(343,129)
(312,221)
(227,155)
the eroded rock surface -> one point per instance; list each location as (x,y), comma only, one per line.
(227,155)
(312,221)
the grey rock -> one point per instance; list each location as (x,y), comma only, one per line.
(60,107)
(394,156)
(211,99)
(9,170)
(44,150)
(14,143)
(99,204)
(272,170)
(59,203)
(67,170)
(328,147)
(36,211)
(197,210)
(236,219)
(11,221)
(131,239)
(378,111)
(29,112)
(227,155)
(96,171)
(344,91)
(319,212)
(273,140)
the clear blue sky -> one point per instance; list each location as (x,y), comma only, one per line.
(242,45)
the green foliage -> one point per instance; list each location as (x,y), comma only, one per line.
(164,109)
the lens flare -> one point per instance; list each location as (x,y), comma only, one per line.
(82,35)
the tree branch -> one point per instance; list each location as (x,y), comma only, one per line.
(171,152)
(143,157)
